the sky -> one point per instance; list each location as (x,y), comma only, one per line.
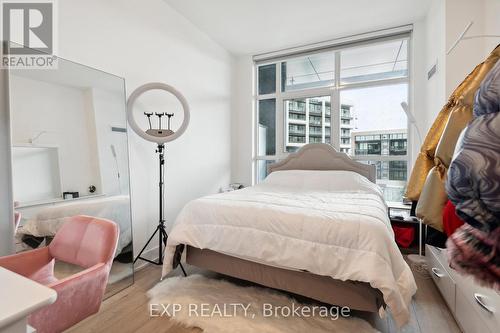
(377,108)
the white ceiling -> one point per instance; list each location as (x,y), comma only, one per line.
(257,26)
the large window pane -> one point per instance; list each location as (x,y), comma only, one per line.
(392,178)
(374,62)
(267,79)
(378,130)
(267,127)
(311,71)
(372,121)
(307,120)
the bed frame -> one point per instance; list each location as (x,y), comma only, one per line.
(356,295)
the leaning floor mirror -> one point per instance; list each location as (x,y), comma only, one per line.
(70,158)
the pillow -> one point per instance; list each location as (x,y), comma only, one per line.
(322,180)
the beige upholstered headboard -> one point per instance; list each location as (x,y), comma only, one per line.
(321,156)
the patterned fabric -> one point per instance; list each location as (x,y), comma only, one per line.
(475,252)
(473,184)
(489,93)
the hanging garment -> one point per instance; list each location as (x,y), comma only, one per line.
(451,221)
(473,186)
(462,97)
(433,197)
(475,252)
(488,95)
(474,175)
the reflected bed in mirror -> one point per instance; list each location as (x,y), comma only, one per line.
(70,157)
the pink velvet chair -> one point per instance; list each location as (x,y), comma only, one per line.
(85,241)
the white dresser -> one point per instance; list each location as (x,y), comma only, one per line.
(476,309)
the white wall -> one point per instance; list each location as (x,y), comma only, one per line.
(434,54)
(62,112)
(6,206)
(146,41)
(491,24)
(36,176)
(418,92)
(468,53)
(444,22)
(242,121)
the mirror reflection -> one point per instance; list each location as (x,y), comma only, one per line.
(70,158)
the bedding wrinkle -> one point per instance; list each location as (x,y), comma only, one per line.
(340,230)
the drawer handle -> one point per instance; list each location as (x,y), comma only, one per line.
(435,271)
(480,300)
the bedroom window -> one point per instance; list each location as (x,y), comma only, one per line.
(349,97)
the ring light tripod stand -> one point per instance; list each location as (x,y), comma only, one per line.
(160,136)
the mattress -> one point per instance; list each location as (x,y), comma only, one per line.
(328,223)
(115,208)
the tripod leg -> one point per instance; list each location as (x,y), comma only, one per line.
(165,236)
(147,243)
(160,243)
(183,271)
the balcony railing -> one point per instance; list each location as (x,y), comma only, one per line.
(397,151)
(315,111)
(367,151)
(297,111)
(296,139)
(296,117)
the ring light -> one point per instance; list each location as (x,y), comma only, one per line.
(144,134)
(160,136)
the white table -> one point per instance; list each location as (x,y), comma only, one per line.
(19,297)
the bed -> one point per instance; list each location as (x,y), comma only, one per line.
(47,221)
(317,226)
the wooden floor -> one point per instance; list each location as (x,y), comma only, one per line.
(127,311)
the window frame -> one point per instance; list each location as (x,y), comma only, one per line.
(333,91)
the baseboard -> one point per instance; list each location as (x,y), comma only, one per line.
(151,254)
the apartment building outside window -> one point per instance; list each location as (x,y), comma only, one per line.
(348,97)
(381,147)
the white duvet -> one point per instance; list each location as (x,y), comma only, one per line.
(331,223)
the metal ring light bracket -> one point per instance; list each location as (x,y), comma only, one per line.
(157,86)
